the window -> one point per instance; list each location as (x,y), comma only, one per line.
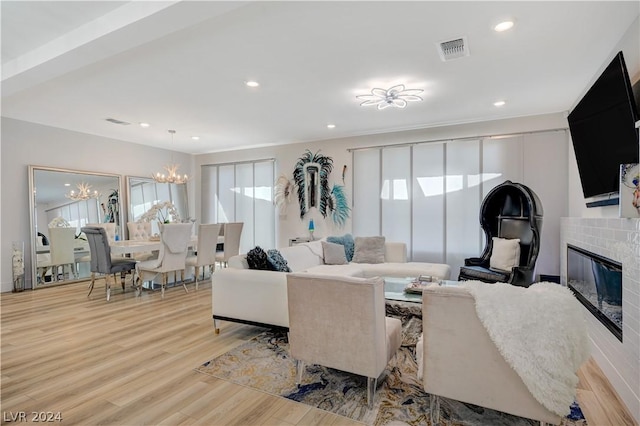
(241,192)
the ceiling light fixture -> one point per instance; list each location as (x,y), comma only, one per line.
(84,193)
(503,26)
(331,126)
(172,175)
(145,125)
(252,83)
(195,138)
(396,96)
(499,103)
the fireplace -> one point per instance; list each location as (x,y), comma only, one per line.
(597,283)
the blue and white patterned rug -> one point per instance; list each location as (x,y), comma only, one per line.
(263,363)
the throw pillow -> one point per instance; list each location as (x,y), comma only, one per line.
(347,241)
(369,250)
(334,254)
(278,262)
(505,254)
(257,259)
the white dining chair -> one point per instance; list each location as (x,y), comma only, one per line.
(61,253)
(206,252)
(231,247)
(175,238)
(141,231)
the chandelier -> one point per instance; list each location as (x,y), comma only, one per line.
(397,96)
(171,175)
(84,193)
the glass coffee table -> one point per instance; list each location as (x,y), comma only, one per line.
(394,288)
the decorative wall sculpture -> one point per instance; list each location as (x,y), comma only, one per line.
(311,181)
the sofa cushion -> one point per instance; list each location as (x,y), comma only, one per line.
(257,259)
(369,250)
(348,270)
(303,256)
(278,262)
(334,254)
(505,254)
(347,241)
(407,269)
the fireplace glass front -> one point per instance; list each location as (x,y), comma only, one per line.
(597,283)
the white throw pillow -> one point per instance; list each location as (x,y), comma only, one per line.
(505,254)
(369,250)
(334,254)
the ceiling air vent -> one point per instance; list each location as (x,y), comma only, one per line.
(453,49)
(114,121)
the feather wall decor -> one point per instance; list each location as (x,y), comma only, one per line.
(282,193)
(320,165)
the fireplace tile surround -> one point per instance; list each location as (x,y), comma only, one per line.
(619,240)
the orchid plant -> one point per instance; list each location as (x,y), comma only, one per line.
(164,212)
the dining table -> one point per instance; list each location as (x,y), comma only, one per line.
(124,247)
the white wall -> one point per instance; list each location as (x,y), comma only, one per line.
(290,225)
(24,143)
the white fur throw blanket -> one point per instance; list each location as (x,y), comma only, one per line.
(541,333)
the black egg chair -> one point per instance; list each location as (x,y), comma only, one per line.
(510,210)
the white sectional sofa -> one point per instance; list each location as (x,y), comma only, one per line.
(259,297)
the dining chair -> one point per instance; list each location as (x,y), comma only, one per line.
(109,227)
(102,262)
(232,232)
(206,253)
(175,238)
(141,231)
(61,253)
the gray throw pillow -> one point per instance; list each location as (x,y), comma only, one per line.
(369,250)
(334,254)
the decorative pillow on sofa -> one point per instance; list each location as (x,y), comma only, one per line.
(334,254)
(257,259)
(347,241)
(505,254)
(369,250)
(278,262)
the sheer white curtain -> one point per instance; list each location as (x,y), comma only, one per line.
(241,192)
(425,195)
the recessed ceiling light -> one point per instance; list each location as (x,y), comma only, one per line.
(145,125)
(252,83)
(67,184)
(195,138)
(503,26)
(499,103)
(331,126)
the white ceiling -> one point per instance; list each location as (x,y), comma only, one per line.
(182,65)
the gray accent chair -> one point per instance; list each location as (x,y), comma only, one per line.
(101,261)
(340,323)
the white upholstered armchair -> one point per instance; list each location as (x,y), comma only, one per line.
(339,322)
(460,360)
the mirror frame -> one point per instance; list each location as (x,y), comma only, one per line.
(184,216)
(33,220)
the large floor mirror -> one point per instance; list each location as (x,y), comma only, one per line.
(142,193)
(62,201)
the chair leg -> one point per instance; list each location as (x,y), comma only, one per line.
(122,275)
(371,390)
(434,409)
(107,283)
(215,326)
(196,275)
(93,280)
(299,371)
(164,283)
(182,275)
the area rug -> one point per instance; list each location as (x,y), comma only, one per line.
(263,363)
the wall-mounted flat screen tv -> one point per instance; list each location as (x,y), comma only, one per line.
(603,131)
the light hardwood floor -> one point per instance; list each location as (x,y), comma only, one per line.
(130,362)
